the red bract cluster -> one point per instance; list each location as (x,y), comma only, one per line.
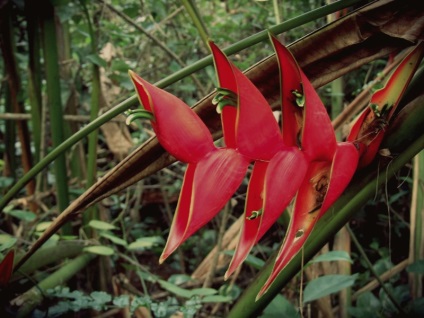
(301,161)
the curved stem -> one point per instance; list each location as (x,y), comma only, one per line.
(372,270)
(358,193)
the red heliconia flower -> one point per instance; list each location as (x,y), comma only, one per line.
(370,127)
(330,165)
(6,268)
(324,182)
(212,175)
(248,125)
(326,179)
(277,172)
(308,138)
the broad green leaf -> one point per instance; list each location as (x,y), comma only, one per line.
(326,285)
(280,307)
(145,242)
(216,299)
(99,250)
(22,215)
(5,182)
(42,226)
(114,239)
(251,260)
(120,66)
(179,279)
(333,256)
(96,59)
(101,296)
(174,289)
(122,301)
(203,291)
(6,242)
(254,261)
(100,225)
(416,267)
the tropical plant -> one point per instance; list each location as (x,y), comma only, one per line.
(383,139)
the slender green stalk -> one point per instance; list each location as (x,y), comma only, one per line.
(372,270)
(123,106)
(10,141)
(361,190)
(197,20)
(34,68)
(416,244)
(94,111)
(31,298)
(48,255)
(54,99)
(276,11)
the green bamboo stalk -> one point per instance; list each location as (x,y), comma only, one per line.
(31,298)
(197,20)
(94,111)
(128,103)
(10,141)
(416,250)
(34,68)
(54,99)
(276,11)
(49,255)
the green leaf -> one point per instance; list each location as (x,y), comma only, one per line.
(251,260)
(254,261)
(100,225)
(416,267)
(326,285)
(99,250)
(179,279)
(22,215)
(42,226)
(113,238)
(174,289)
(280,307)
(96,59)
(122,301)
(120,66)
(216,299)
(333,256)
(145,242)
(203,291)
(5,182)
(6,242)
(101,296)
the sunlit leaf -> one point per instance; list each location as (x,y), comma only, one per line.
(99,250)
(101,225)
(333,256)
(114,238)
(326,285)
(216,299)
(22,215)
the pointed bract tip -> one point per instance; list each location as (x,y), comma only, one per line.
(163,258)
(261,293)
(133,75)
